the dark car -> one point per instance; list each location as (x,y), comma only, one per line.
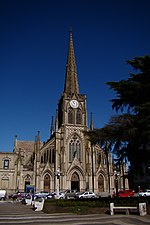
(70,193)
(18,195)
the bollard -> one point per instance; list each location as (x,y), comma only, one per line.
(111,208)
(142,209)
(38,204)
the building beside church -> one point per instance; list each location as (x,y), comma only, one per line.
(66,160)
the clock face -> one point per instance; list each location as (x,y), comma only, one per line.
(74,103)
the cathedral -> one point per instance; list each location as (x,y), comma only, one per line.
(67,160)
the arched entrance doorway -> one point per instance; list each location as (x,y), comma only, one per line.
(75,182)
(27,183)
(101,183)
(47,183)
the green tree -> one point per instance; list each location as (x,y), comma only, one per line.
(128,134)
(133,96)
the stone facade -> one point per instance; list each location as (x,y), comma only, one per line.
(65,161)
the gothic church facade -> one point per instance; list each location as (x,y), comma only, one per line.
(65,161)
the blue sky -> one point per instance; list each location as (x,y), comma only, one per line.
(34,36)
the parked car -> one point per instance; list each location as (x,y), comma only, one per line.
(50,196)
(124,193)
(104,195)
(86,194)
(42,194)
(70,193)
(61,195)
(144,193)
(18,195)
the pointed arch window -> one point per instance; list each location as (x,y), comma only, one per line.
(105,161)
(51,156)
(70,116)
(78,149)
(78,117)
(74,148)
(45,159)
(98,158)
(71,150)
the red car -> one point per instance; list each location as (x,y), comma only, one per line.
(124,193)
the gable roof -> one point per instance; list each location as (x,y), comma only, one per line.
(25,145)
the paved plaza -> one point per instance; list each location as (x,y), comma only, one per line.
(12,213)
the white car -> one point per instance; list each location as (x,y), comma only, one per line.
(61,195)
(42,194)
(86,194)
(144,193)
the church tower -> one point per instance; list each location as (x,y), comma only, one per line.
(72,105)
(71,124)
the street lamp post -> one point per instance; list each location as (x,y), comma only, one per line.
(92,169)
(116,181)
(57,174)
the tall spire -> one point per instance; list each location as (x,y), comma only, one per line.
(15,143)
(71,80)
(56,123)
(38,136)
(91,122)
(52,127)
(38,146)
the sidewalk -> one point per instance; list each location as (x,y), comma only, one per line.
(17,213)
(10,207)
